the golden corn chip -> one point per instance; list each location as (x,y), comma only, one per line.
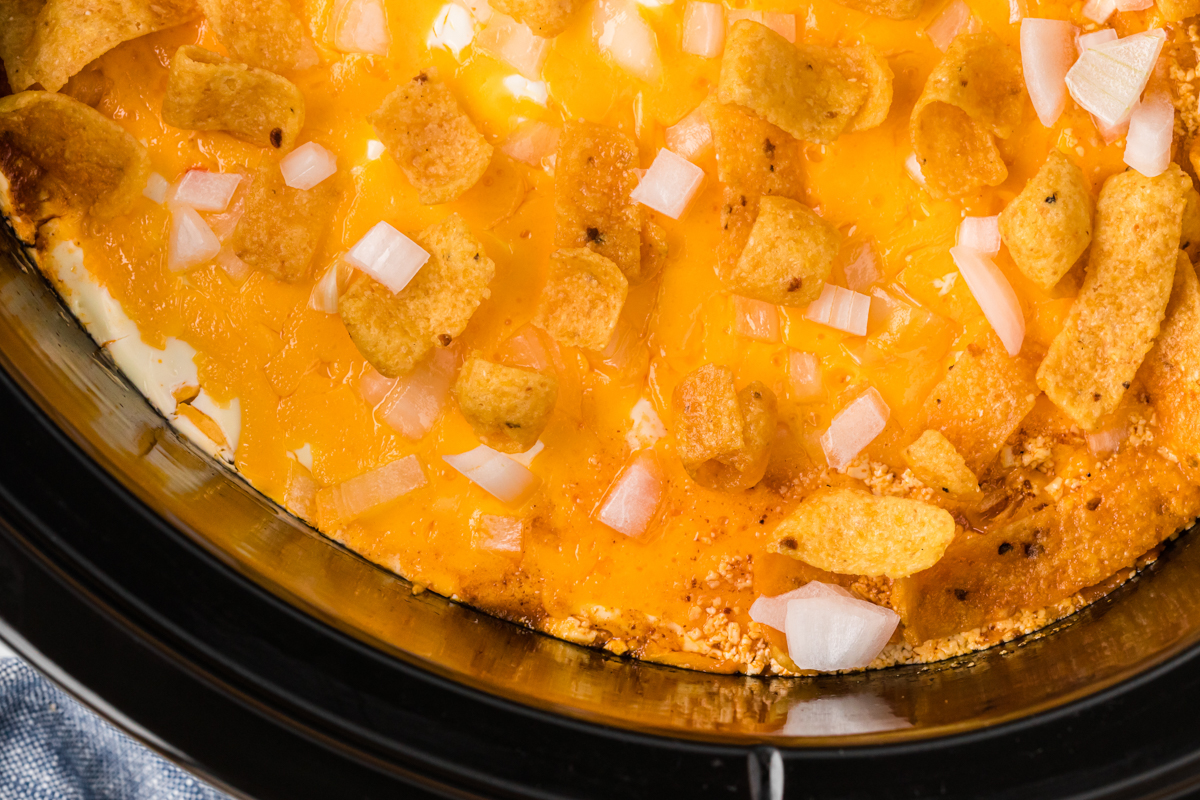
(892,9)
(1189,236)
(593,176)
(796,87)
(939,466)
(66,151)
(281,228)
(395,332)
(977,91)
(981,400)
(508,407)
(88,87)
(582,299)
(47,41)
(208,92)
(754,158)
(1179,10)
(746,468)
(789,255)
(1124,297)
(1172,371)
(435,143)
(546,18)
(851,532)
(864,65)
(267,34)
(1049,224)
(708,416)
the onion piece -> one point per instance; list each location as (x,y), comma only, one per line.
(237,269)
(495,473)
(912,165)
(772,611)
(1134,5)
(954,19)
(530,142)
(633,498)
(328,291)
(781,23)
(1105,443)
(388,256)
(498,534)
(347,501)
(453,29)
(1109,78)
(307,166)
(646,427)
(192,242)
(375,150)
(522,88)
(360,26)
(411,405)
(621,32)
(831,633)
(855,427)
(1099,10)
(863,269)
(1088,40)
(691,137)
(514,44)
(670,185)
(1151,131)
(755,319)
(1112,133)
(1047,53)
(981,234)
(525,349)
(804,374)
(704,29)
(204,190)
(842,309)
(156,188)
(994,294)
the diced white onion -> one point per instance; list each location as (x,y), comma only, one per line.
(453,29)
(691,137)
(530,142)
(632,501)
(1151,130)
(1088,40)
(863,269)
(670,185)
(388,256)
(832,632)
(307,166)
(411,405)
(1047,52)
(842,309)
(855,427)
(781,23)
(994,294)
(514,44)
(345,502)
(1109,78)
(192,242)
(495,473)
(498,534)
(912,165)
(704,29)
(646,427)
(772,611)
(360,26)
(328,291)
(522,88)
(1099,10)
(1134,5)
(755,319)
(1105,443)
(804,374)
(621,32)
(981,234)
(954,19)
(156,188)
(204,190)
(237,269)
(375,150)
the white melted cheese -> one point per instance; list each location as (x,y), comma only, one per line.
(453,29)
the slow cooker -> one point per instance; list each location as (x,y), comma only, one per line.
(160,589)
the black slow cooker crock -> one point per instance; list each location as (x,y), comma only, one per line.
(163,591)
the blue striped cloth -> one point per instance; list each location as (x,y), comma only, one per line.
(52,748)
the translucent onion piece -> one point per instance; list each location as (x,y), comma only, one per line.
(499,534)
(526,349)
(772,611)
(307,166)
(237,269)
(388,256)
(495,473)
(524,89)
(1099,10)
(704,29)
(691,137)
(346,502)
(1047,53)
(453,29)
(205,191)
(981,234)
(621,32)
(1087,40)
(156,188)
(646,427)
(833,633)
(912,165)
(326,293)
(1151,130)
(955,18)
(863,269)
(1105,443)
(633,498)
(411,405)
(755,319)
(804,375)
(1109,78)
(192,242)
(375,150)
(994,294)
(670,185)
(360,26)
(1134,5)
(530,142)
(842,309)
(854,427)
(514,44)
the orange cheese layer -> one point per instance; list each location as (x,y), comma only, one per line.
(295,369)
